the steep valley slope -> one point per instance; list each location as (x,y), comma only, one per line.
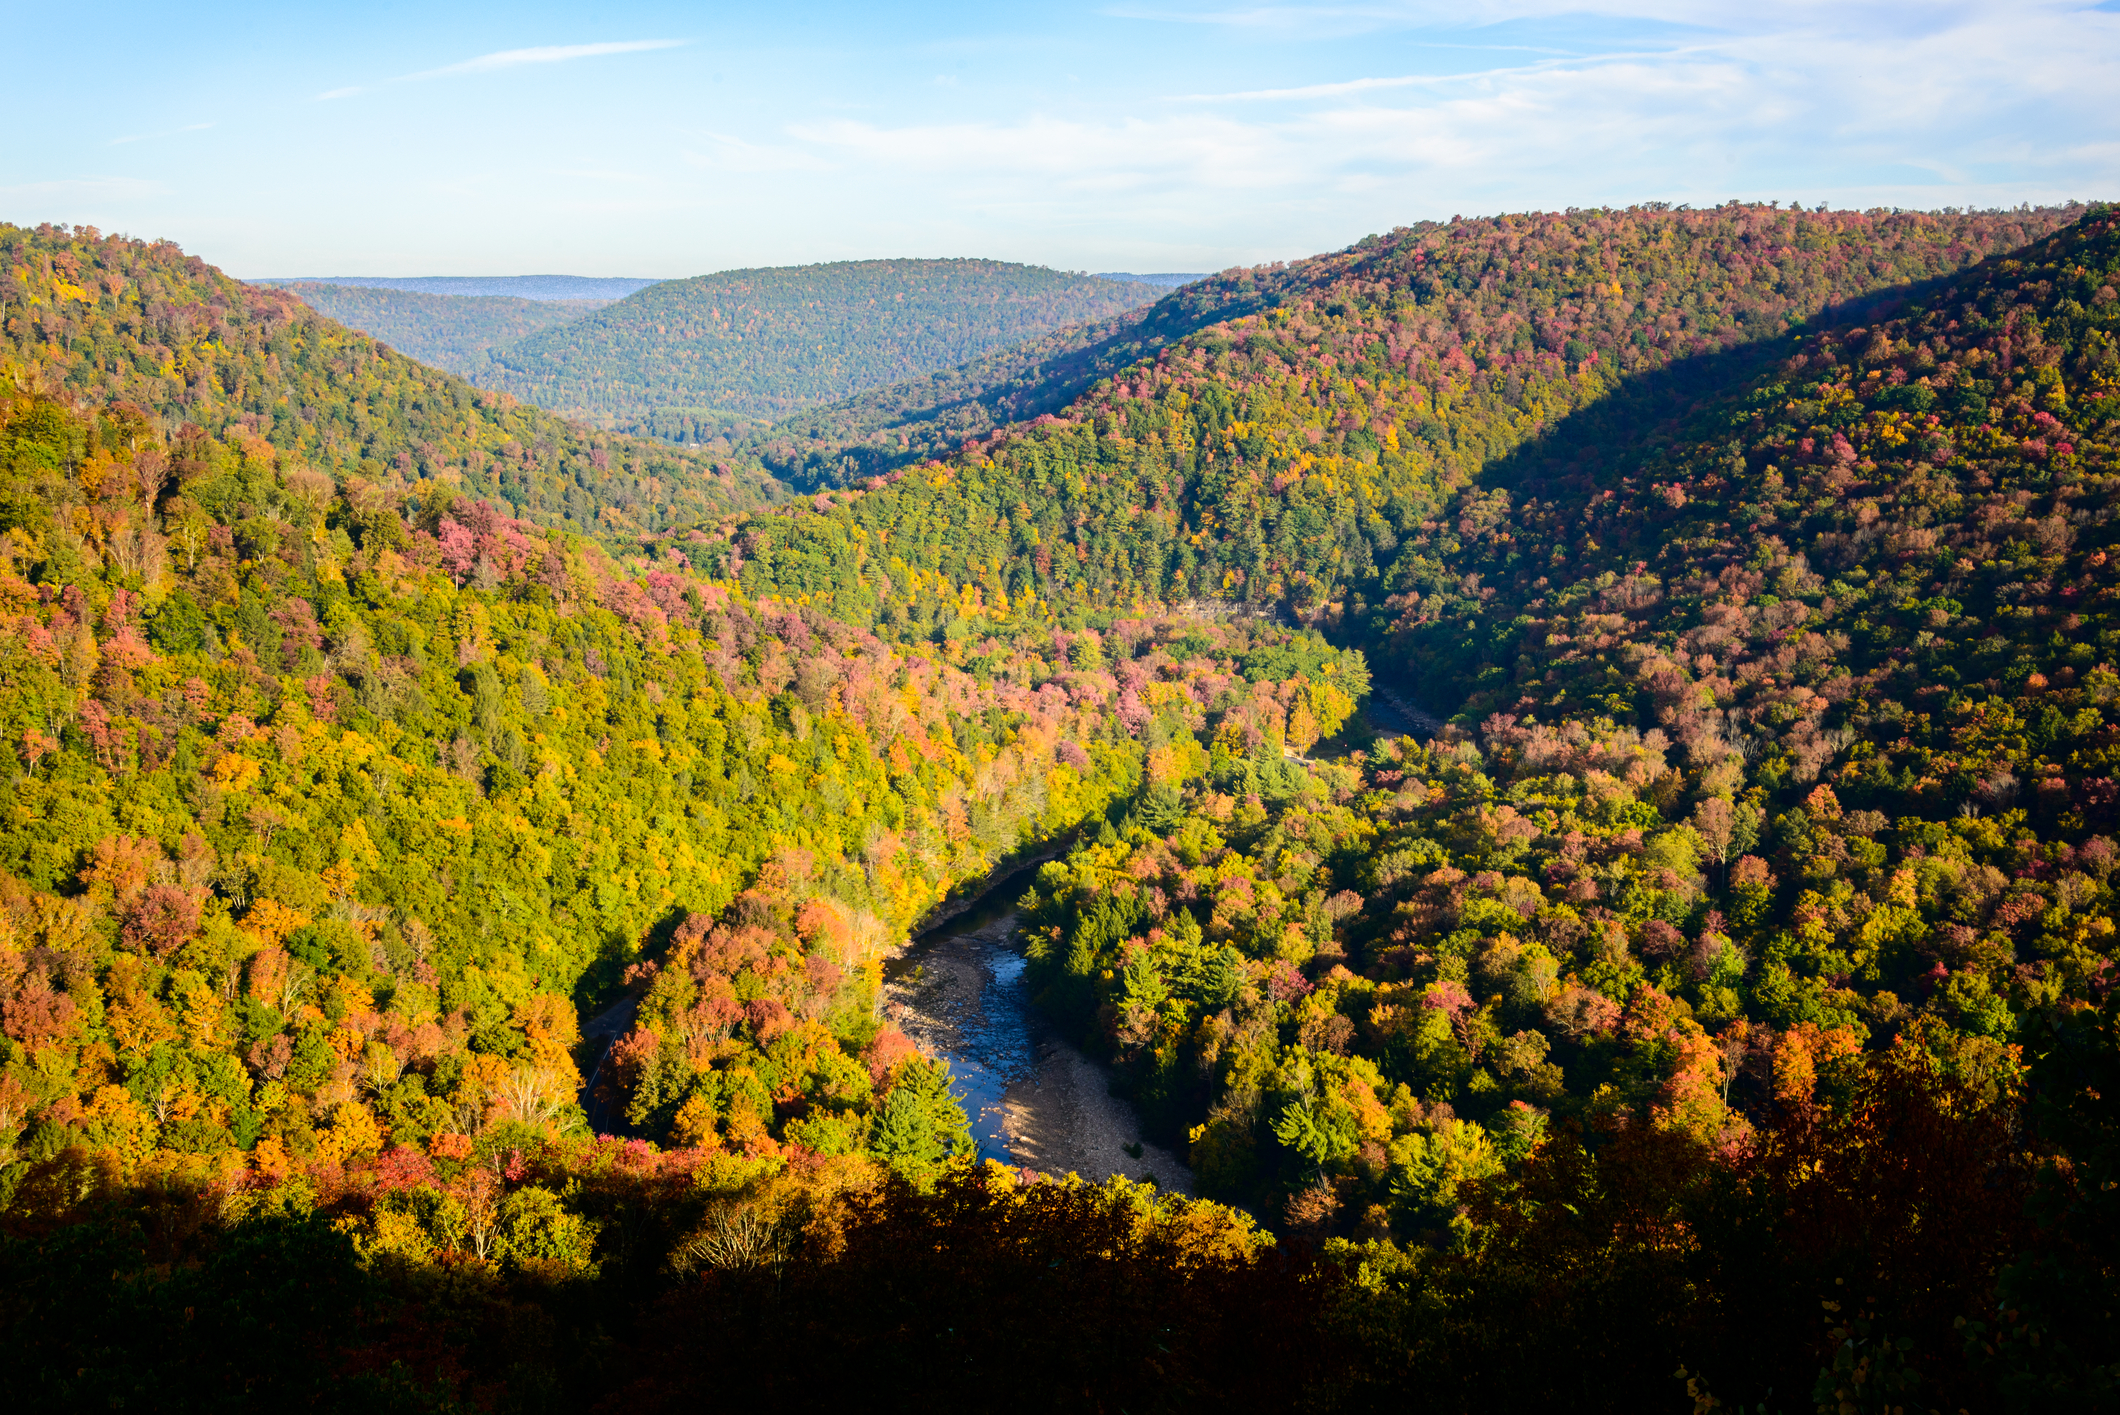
(1726,988)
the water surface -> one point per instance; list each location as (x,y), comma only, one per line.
(962,993)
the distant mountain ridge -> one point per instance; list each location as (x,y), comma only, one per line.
(770,342)
(1171,278)
(456,333)
(521,287)
(872,429)
(881,429)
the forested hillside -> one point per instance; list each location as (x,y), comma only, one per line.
(1778,818)
(333,809)
(95,318)
(855,437)
(1281,454)
(930,418)
(452,332)
(1921,492)
(927,418)
(445,774)
(1718,1012)
(768,342)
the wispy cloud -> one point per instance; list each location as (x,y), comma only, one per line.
(1807,102)
(1334,19)
(1337,21)
(546,54)
(515,59)
(1345,87)
(1297,22)
(165,133)
(1057,157)
(602,174)
(1328,90)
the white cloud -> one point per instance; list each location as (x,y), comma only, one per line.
(546,54)
(516,58)
(1322,21)
(165,133)
(1343,87)
(1919,104)
(731,154)
(1126,153)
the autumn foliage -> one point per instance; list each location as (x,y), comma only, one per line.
(1718,1008)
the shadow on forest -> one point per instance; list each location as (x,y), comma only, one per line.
(1653,412)
(1648,416)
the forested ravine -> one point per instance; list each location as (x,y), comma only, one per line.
(1036,1101)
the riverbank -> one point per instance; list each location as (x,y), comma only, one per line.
(1036,1101)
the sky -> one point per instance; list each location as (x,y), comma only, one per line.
(663,140)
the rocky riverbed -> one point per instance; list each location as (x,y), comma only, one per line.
(1035,1100)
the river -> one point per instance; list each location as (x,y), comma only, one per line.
(959,990)
(1035,1100)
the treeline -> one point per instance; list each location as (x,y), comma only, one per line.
(454,333)
(601,289)
(768,342)
(90,318)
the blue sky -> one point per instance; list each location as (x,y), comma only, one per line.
(668,140)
